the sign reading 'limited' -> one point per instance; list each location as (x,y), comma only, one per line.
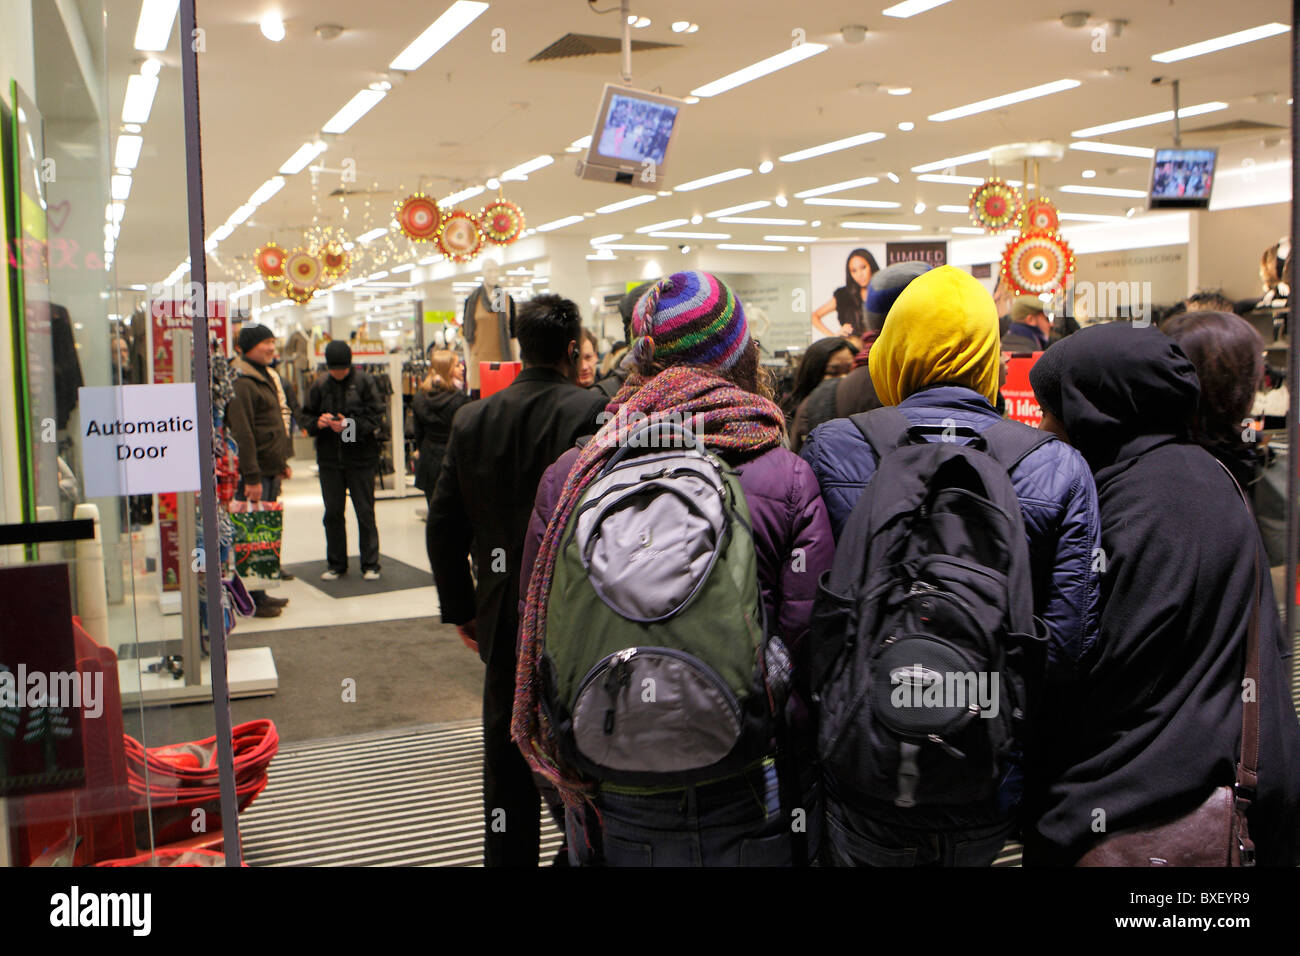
(139,439)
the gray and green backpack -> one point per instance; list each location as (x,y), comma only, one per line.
(656,665)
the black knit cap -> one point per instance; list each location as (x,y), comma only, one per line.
(251,336)
(1045,379)
(338,355)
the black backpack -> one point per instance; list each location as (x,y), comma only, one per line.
(924,636)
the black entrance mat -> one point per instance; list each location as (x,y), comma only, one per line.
(394,576)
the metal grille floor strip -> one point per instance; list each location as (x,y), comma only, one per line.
(405,798)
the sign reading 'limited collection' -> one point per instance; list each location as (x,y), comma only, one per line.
(139,439)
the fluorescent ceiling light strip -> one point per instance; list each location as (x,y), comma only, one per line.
(763,67)
(453,198)
(613,236)
(138,102)
(1084,217)
(980,157)
(910,8)
(266,190)
(1113,149)
(714,179)
(691,235)
(967,230)
(1151,119)
(438,34)
(626,204)
(299,160)
(835,146)
(559,223)
(633,247)
(240,215)
(743,207)
(582,143)
(127,153)
(353,110)
(666,224)
(1220,43)
(747,247)
(762,221)
(523,169)
(154,27)
(887,226)
(407,267)
(963,210)
(120,187)
(836,187)
(372,234)
(1103,191)
(222,232)
(854,203)
(1006,99)
(790,238)
(951,180)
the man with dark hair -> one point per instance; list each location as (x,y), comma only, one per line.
(257,425)
(610,383)
(498,450)
(344,412)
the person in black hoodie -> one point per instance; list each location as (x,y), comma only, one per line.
(344,413)
(1152,721)
(435,404)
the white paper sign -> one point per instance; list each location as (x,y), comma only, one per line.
(139,439)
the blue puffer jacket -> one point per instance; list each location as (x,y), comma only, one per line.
(1057,496)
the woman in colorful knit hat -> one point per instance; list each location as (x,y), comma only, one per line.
(691,356)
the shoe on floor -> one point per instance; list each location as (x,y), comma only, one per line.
(266,610)
(275,601)
(286,576)
(331,575)
(371,575)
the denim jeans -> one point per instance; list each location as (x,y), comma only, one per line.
(855,839)
(733,822)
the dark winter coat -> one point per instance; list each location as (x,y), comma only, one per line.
(499,448)
(254,421)
(1155,722)
(432,413)
(356,397)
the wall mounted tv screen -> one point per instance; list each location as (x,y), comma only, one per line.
(1182,178)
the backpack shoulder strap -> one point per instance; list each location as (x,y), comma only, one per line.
(1010,442)
(883,428)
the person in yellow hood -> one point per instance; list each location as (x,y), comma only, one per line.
(942,330)
(937,360)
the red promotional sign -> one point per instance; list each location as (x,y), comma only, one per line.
(494,376)
(1019,396)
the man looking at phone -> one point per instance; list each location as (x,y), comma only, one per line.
(344,413)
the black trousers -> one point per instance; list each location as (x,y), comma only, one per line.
(335,485)
(511,803)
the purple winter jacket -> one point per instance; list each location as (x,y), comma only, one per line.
(785,506)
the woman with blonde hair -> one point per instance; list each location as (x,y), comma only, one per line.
(435,404)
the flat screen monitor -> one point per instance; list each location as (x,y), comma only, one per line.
(632,138)
(1182,178)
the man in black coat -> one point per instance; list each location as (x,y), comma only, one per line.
(495,457)
(344,412)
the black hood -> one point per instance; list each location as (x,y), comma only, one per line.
(1117,389)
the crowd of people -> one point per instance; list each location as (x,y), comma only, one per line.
(619,604)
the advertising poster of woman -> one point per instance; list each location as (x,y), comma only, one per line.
(846,269)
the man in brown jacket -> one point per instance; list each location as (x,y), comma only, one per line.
(256,423)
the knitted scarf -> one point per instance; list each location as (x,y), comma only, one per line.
(732,420)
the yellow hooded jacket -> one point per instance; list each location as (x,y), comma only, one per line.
(943,328)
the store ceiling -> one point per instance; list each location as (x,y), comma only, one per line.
(469,112)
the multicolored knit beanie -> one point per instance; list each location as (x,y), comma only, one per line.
(689,318)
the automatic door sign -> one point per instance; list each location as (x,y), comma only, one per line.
(139,439)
